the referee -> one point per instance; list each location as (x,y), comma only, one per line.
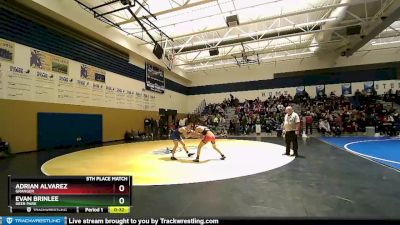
(291,127)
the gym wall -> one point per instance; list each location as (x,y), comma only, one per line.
(23,95)
(18,121)
(265,71)
(379,65)
(381,86)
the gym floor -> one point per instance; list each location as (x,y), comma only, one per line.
(325,181)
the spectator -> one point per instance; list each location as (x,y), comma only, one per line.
(156,128)
(387,124)
(215,121)
(129,135)
(362,124)
(309,122)
(152,127)
(147,126)
(4,147)
(324,126)
(223,133)
(231,129)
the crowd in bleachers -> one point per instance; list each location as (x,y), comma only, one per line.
(328,114)
(392,96)
(269,114)
(336,115)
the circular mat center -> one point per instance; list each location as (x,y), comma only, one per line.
(149,162)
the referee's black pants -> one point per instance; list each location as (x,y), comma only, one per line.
(291,137)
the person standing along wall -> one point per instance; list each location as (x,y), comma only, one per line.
(291,129)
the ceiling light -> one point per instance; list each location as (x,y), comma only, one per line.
(126,2)
(317,22)
(374,43)
(232,21)
(233,63)
(293,54)
(301,53)
(255,33)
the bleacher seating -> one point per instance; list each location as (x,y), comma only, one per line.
(352,113)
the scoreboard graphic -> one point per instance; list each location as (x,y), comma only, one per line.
(76,194)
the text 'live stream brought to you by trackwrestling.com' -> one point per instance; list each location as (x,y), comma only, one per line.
(151,221)
(60,220)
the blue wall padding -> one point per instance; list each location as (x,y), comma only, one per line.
(63,129)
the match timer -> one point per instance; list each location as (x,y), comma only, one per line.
(118,209)
(76,194)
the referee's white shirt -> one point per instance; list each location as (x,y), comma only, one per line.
(290,121)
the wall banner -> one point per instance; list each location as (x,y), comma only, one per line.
(7,50)
(320,89)
(93,73)
(346,89)
(300,90)
(368,86)
(48,62)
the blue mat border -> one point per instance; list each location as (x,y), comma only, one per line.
(323,139)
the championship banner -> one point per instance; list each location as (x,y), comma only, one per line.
(300,90)
(46,61)
(7,50)
(92,73)
(346,89)
(320,89)
(155,80)
(368,86)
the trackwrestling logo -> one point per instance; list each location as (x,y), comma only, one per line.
(25,220)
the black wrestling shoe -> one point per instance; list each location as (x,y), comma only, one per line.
(285,154)
(190,154)
(223,157)
(173,158)
(196,160)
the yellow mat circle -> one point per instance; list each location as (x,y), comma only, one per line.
(149,162)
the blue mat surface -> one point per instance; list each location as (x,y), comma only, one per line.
(384,150)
